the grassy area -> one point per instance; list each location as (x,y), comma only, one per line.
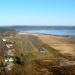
(44,50)
(51,67)
(34,57)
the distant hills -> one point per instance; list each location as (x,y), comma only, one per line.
(40,27)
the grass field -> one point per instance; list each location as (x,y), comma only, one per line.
(33,56)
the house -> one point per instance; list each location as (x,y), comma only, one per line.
(4,40)
(9,45)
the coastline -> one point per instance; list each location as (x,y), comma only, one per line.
(30,33)
(64,45)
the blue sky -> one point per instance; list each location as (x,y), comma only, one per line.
(37,12)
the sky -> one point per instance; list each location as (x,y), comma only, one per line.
(37,12)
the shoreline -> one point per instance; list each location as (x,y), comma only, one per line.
(65,45)
(30,33)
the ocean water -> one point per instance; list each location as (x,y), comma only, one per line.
(48,30)
(52,32)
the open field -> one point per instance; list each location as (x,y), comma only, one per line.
(65,45)
(37,55)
